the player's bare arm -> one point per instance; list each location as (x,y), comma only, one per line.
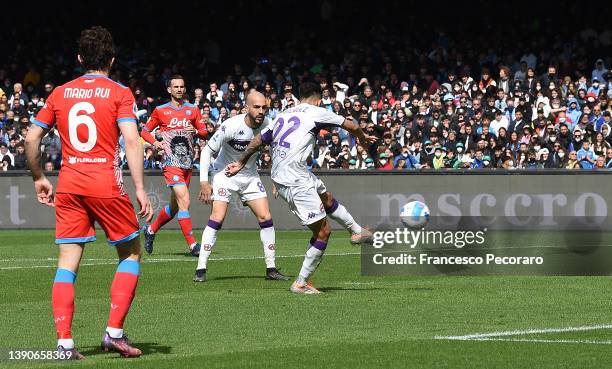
(356,131)
(133,154)
(44,188)
(233,168)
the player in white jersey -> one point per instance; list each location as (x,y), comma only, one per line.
(292,138)
(228,143)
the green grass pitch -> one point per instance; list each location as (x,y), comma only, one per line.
(239,320)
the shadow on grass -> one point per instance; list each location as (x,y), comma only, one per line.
(231,277)
(185,254)
(333,289)
(147,348)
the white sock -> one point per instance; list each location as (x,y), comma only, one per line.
(67,343)
(209,237)
(345,219)
(114,332)
(268,240)
(311,262)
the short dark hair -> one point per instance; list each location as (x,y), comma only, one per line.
(176,76)
(309,89)
(96,48)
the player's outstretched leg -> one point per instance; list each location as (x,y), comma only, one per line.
(317,245)
(122,294)
(165,215)
(338,212)
(62,299)
(261,209)
(184,218)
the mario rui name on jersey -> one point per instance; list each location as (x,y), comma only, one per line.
(86,93)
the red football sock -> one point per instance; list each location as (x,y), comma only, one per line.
(163,217)
(184,220)
(62,299)
(123,291)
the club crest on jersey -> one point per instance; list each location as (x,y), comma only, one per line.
(188,112)
(175,178)
(221,192)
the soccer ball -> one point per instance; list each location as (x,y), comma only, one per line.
(414,214)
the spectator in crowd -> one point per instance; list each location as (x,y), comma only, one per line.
(6,154)
(573,162)
(20,158)
(600,71)
(586,157)
(52,150)
(5,164)
(149,158)
(609,159)
(265,160)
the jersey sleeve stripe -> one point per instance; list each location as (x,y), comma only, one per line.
(121,120)
(40,124)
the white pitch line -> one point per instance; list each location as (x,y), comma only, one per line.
(166,260)
(483,336)
(535,340)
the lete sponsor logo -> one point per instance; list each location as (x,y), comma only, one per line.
(176,123)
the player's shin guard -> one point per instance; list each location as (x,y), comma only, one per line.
(62,299)
(122,294)
(209,237)
(268,239)
(311,260)
(339,213)
(184,220)
(164,216)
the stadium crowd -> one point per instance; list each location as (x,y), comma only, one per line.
(443,107)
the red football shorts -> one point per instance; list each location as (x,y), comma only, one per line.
(177,177)
(75,216)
